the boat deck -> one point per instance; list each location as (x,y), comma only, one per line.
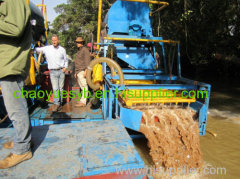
(74,150)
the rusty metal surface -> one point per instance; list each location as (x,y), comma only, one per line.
(74,150)
(68,112)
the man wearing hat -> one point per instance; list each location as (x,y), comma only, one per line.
(81,63)
(15,46)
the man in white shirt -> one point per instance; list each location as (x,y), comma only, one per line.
(57,64)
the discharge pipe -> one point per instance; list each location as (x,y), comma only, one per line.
(110,63)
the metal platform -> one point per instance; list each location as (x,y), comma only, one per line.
(75,150)
(68,114)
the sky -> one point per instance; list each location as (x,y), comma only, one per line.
(51,14)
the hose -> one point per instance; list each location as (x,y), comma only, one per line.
(110,63)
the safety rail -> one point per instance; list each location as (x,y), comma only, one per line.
(149,2)
(140,40)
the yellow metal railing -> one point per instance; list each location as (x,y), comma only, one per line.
(135,82)
(139,40)
(149,2)
(133,101)
(135,97)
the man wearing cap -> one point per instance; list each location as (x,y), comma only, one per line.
(81,63)
(57,64)
(15,46)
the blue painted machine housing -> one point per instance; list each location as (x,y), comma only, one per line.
(130,51)
(127,19)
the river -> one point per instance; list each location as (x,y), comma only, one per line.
(224,120)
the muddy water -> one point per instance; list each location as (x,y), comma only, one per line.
(224,120)
(223,150)
(173,136)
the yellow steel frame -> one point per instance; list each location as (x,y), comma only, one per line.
(140,99)
(139,40)
(133,101)
(149,1)
(135,82)
(44,15)
(99,23)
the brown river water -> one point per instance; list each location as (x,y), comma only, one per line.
(221,153)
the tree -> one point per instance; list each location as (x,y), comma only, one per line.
(77,18)
(204,27)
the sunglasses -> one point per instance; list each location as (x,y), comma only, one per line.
(79,42)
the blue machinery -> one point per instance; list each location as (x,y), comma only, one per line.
(129,29)
(108,146)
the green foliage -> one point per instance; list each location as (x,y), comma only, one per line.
(203,27)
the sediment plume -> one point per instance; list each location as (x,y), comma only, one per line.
(173,136)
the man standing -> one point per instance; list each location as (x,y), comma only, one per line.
(81,63)
(57,64)
(15,44)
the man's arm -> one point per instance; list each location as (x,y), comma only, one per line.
(16,15)
(40,49)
